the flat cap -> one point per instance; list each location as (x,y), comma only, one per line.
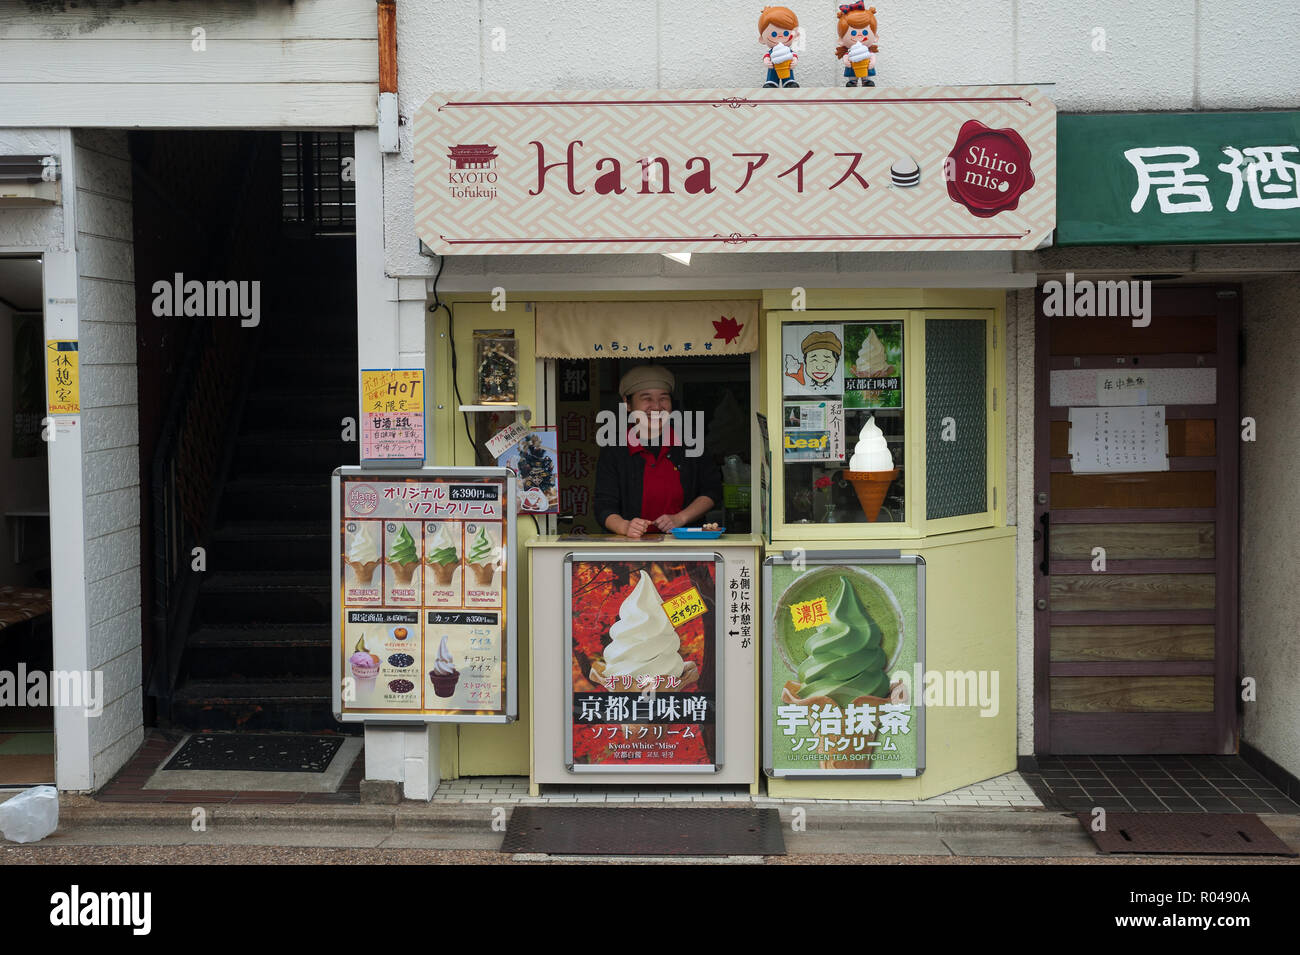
(827,340)
(644,378)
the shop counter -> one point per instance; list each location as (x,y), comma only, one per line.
(644,660)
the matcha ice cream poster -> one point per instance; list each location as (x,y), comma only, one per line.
(842,636)
(643,666)
(873,363)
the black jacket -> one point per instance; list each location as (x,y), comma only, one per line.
(620,480)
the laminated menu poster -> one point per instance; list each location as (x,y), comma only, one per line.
(424,627)
(644,662)
(843,644)
(873,354)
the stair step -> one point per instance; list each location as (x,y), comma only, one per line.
(272,597)
(297,495)
(267,454)
(289,704)
(221,654)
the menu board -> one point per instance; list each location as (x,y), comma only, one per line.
(644,661)
(424,576)
(392,414)
(843,652)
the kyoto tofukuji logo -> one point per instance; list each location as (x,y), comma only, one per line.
(471,171)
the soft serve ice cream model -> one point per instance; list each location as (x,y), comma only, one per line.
(845,665)
(642,643)
(443,558)
(871,469)
(482,557)
(444,674)
(363,554)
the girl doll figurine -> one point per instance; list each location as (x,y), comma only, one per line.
(778,28)
(857,27)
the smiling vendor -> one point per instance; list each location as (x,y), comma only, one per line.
(651,483)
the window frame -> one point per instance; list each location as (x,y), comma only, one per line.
(914,525)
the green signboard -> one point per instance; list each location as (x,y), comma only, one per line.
(844,639)
(1178,178)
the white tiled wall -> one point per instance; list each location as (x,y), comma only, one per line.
(110,436)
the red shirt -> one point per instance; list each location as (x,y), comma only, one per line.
(661,488)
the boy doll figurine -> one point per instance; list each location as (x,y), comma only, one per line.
(778,28)
(856,25)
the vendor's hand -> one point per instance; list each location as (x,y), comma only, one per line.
(636,527)
(666,522)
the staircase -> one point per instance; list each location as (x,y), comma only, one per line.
(259,648)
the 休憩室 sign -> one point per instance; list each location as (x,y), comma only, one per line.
(934,168)
(1163,178)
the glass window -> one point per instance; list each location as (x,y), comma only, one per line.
(956,418)
(842,422)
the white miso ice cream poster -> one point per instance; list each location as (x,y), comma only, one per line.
(484,564)
(873,365)
(444,564)
(363,562)
(402,556)
(644,667)
(812,360)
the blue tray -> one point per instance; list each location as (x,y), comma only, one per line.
(697,533)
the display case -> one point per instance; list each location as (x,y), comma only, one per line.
(887,421)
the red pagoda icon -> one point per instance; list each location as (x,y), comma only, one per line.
(472,156)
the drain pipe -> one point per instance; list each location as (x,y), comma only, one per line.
(388,120)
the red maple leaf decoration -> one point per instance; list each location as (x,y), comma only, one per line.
(727,328)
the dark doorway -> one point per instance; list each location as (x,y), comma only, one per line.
(247,348)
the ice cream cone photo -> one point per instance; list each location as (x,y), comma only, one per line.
(365,572)
(363,554)
(483,573)
(441,545)
(404,571)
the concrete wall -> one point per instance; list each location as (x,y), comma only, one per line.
(110,458)
(1270,501)
(233,63)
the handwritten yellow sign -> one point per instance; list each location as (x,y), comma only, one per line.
(809,613)
(684,607)
(62,377)
(394,390)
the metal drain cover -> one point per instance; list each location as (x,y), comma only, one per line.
(607,831)
(1185,834)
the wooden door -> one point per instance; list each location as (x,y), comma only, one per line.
(1139,657)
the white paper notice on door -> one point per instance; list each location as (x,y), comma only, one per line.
(1118,439)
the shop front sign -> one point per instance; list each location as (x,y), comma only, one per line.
(826,170)
(1165,178)
(392,415)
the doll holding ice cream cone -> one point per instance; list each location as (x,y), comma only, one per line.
(778,30)
(856,25)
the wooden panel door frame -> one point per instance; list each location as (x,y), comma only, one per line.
(1152,732)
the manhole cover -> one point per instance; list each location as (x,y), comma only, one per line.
(1185,833)
(605,831)
(256,752)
